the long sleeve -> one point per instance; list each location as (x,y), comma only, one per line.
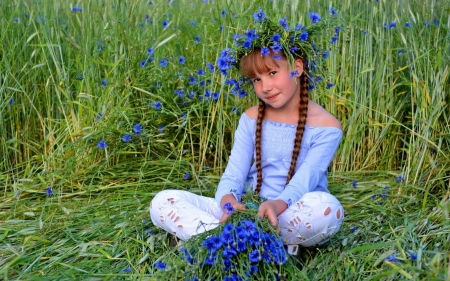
(312,171)
(239,162)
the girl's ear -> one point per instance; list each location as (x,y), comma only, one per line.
(299,67)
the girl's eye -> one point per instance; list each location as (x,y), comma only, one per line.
(272,73)
(255,80)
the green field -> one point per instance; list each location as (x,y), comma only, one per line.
(77,78)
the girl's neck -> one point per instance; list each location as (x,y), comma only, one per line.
(287,115)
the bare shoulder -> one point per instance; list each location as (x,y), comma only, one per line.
(320,117)
(252,112)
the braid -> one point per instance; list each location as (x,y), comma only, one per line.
(302,113)
(261,108)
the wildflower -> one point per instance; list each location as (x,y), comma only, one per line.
(338,29)
(315,17)
(200,72)
(143,63)
(98,117)
(247,44)
(229,209)
(137,128)
(193,22)
(223,13)
(276,38)
(160,265)
(364,32)
(197,39)
(300,27)
(215,95)
(408,24)
(49,191)
(318,79)
(254,256)
(294,73)
(179,92)
(284,23)
(211,259)
(384,195)
(126,138)
(192,80)
(392,24)
(303,36)
(426,23)
(391,259)
(354,228)
(183,115)
(77,9)
(259,16)
(161,128)
(104,83)
(165,24)
(333,11)
(334,39)
(102,144)
(293,49)
(265,51)
(156,105)
(126,269)
(80,77)
(276,48)
(412,256)
(435,22)
(150,51)
(400,178)
(163,62)
(147,19)
(355,183)
(325,54)
(15,19)
(181,60)
(11,101)
(186,176)
(386,187)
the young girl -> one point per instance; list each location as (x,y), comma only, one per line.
(282,149)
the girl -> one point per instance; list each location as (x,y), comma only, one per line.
(282,150)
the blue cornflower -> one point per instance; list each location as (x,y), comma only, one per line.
(216,242)
(392,259)
(80,77)
(303,36)
(126,269)
(183,115)
(354,228)
(266,256)
(193,22)
(400,178)
(364,32)
(265,51)
(408,24)
(149,232)
(294,73)
(150,51)
(293,49)
(318,79)
(254,256)
(284,23)
(392,24)
(355,184)
(181,60)
(192,80)
(197,39)
(156,105)
(259,16)
(207,94)
(215,95)
(160,265)
(247,44)
(137,129)
(276,38)
(426,23)
(228,228)
(179,92)
(49,191)
(229,252)
(435,22)
(253,269)
(209,244)
(98,117)
(229,209)
(384,195)
(338,29)
(126,138)
(300,27)
(276,48)
(102,144)
(333,11)
(161,128)
(77,9)
(103,83)
(325,54)
(15,19)
(143,63)
(186,176)
(226,237)
(147,19)
(412,255)
(200,72)
(11,101)
(223,13)
(211,259)
(165,23)
(334,39)
(374,196)
(315,17)
(163,62)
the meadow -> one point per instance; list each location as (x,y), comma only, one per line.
(105,102)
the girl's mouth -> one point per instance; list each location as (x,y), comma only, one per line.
(272,97)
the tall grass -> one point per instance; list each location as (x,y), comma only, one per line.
(69,79)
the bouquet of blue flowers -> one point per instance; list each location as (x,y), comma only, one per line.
(244,248)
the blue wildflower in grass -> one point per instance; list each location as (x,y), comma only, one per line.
(76,9)
(384,195)
(391,259)
(354,228)
(99,116)
(192,94)
(426,23)
(211,259)
(374,196)
(49,191)
(355,184)
(228,208)
(300,27)
(197,39)
(265,51)
(259,16)
(400,178)
(229,252)
(200,72)
(148,20)
(284,23)
(294,73)
(126,270)
(183,115)
(192,80)
(334,39)
(364,32)
(293,49)
(408,24)
(247,44)
(126,138)
(325,54)
(207,94)
(165,23)
(303,36)
(137,129)
(315,17)
(254,256)
(156,105)
(392,24)
(338,29)
(193,22)
(143,63)
(223,13)
(224,62)
(161,128)
(181,60)
(435,22)
(276,38)
(11,101)
(103,83)
(150,51)
(215,95)
(412,256)
(102,144)
(79,77)
(276,47)
(163,62)
(318,79)
(15,19)
(179,92)
(160,265)
(186,176)
(333,11)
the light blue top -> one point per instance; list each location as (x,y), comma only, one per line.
(319,145)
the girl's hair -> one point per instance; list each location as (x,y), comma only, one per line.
(255,63)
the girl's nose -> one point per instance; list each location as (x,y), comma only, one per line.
(266,85)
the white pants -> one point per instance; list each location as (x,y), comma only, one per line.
(313,219)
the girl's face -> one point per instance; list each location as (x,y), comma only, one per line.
(278,85)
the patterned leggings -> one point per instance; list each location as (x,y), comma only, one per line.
(311,221)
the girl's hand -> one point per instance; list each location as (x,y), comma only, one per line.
(272,209)
(231,202)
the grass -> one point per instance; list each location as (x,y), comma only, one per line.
(391,96)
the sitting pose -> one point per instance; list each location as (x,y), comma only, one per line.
(282,149)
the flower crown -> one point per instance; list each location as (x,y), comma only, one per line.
(272,38)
